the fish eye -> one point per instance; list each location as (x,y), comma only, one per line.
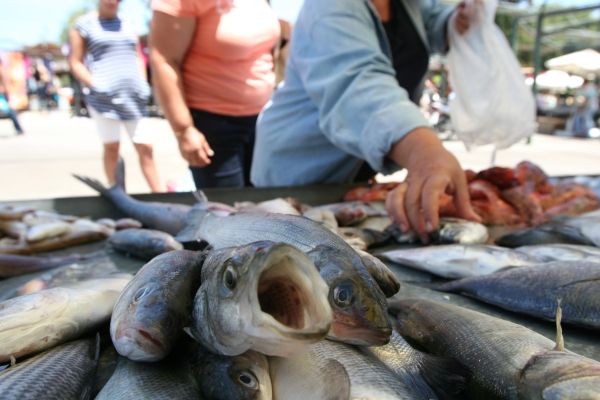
(343,295)
(248,379)
(230,277)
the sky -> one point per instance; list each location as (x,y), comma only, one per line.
(29,22)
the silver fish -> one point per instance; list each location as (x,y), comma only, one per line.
(168,379)
(507,360)
(264,296)
(562,252)
(459,261)
(450,231)
(348,274)
(64,372)
(13,265)
(155,306)
(351,212)
(242,377)
(533,290)
(144,244)
(278,205)
(38,321)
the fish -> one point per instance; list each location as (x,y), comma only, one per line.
(47,230)
(265,296)
(127,223)
(363,238)
(428,375)
(14,265)
(144,244)
(450,231)
(13,212)
(166,217)
(357,284)
(35,322)
(365,376)
(155,306)
(533,290)
(561,252)
(242,377)
(14,229)
(64,372)
(278,205)
(168,379)
(459,261)
(351,212)
(583,229)
(506,360)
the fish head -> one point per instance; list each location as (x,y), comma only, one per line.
(245,376)
(358,304)
(142,330)
(263,296)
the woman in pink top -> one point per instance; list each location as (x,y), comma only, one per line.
(212,65)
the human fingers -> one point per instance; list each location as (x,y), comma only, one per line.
(462,200)
(433,188)
(394,205)
(412,207)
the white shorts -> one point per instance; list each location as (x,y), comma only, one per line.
(109,130)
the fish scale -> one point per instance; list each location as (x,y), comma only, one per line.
(62,373)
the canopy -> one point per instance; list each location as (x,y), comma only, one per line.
(581,63)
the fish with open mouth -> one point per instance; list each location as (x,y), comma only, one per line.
(155,306)
(144,244)
(38,321)
(63,372)
(265,296)
(459,261)
(533,290)
(357,283)
(506,360)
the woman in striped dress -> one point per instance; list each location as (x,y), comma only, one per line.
(105,58)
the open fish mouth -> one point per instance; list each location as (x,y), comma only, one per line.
(291,293)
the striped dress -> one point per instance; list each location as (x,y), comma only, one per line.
(119,90)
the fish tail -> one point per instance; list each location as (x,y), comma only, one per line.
(93,183)
(120,174)
(446,376)
(200,196)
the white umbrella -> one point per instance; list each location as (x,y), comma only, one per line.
(582,62)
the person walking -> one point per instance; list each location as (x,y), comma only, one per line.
(113,77)
(5,106)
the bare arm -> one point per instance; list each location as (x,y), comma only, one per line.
(76,58)
(432,171)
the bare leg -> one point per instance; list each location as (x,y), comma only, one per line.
(111,156)
(145,153)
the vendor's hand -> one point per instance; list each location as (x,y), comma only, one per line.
(462,20)
(194,147)
(432,171)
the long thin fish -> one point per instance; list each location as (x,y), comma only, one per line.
(14,265)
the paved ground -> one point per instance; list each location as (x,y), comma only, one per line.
(39,164)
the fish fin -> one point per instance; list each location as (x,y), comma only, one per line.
(446,376)
(93,183)
(560,340)
(338,381)
(200,196)
(120,174)
(383,276)
(190,232)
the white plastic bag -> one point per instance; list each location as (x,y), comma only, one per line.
(492,104)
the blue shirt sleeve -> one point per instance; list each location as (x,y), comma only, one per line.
(345,69)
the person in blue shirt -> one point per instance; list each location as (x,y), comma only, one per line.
(347,105)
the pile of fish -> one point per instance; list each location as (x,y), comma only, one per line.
(523,195)
(280,300)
